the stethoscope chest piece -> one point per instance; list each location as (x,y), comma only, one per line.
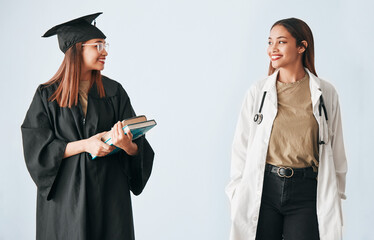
(258,118)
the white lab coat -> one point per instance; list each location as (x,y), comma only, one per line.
(249,152)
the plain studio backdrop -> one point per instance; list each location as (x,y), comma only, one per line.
(187,64)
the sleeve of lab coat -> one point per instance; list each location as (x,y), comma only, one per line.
(337,145)
(239,145)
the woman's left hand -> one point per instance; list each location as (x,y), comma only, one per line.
(123,141)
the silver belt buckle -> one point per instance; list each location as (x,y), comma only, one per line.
(285,168)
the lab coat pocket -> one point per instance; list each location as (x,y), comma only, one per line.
(340,211)
(234,202)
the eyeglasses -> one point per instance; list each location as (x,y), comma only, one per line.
(100,46)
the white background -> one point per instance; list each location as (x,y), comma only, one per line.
(187,64)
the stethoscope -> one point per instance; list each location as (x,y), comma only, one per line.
(320,107)
(259,117)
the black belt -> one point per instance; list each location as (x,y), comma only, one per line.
(288,172)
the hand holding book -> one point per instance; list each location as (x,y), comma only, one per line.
(136,126)
(123,140)
(96,147)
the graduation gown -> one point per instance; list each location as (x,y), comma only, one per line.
(77,197)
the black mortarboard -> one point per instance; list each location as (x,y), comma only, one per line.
(75,31)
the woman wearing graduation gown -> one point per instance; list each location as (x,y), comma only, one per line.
(79,197)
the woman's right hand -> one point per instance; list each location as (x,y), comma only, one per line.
(96,147)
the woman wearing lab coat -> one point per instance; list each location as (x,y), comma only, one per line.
(288,163)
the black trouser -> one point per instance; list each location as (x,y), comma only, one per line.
(288,206)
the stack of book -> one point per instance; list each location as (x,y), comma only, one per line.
(138,126)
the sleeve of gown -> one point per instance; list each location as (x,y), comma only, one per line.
(42,151)
(139,167)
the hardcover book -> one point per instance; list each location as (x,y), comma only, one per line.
(125,122)
(138,126)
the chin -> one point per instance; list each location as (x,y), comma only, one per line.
(277,64)
(99,68)
(274,65)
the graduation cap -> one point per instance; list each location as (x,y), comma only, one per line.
(75,31)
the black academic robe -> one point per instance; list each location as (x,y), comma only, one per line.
(77,197)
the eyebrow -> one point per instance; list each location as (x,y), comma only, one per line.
(99,41)
(279,37)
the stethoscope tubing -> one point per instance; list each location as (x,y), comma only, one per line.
(322,105)
(259,116)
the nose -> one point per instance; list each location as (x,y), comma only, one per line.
(273,47)
(104,52)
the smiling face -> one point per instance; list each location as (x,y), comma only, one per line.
(282,49)
(92,58)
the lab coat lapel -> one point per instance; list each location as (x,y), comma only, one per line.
(315,93)
(315,89)
(271,89)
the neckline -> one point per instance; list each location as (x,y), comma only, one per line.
(293,83)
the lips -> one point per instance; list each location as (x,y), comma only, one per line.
(275,57)
(102,60)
